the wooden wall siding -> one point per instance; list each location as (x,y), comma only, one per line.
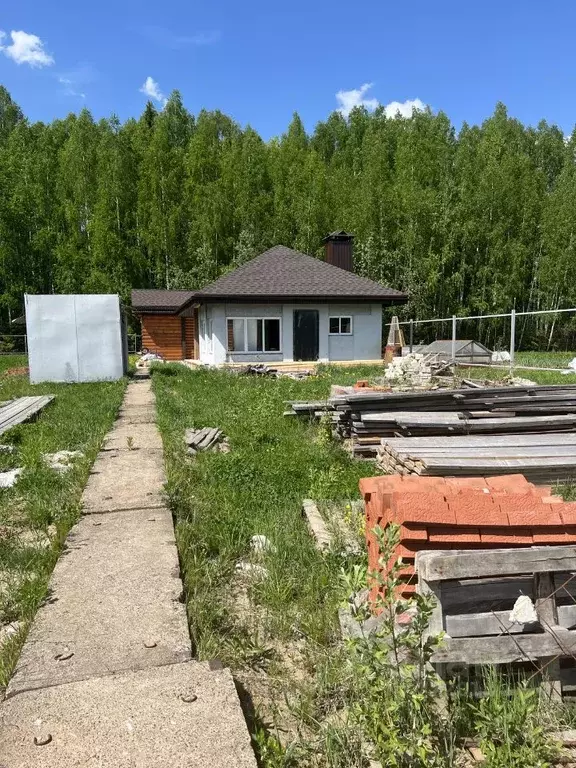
(173,337)
(163,334)
(191,337)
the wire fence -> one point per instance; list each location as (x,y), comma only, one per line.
(504,332)
(17,344)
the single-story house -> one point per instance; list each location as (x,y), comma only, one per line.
(281,306)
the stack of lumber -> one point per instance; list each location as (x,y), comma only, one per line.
(21,409)
(542,458)
(205,439)
(367,416)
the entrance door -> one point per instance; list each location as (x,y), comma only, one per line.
(306,334)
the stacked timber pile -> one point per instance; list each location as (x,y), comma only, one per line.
(371,418)
(542,458)
(368,416)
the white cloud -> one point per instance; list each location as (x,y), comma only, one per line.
(26,49)
(169,39)
(70,87)
(347,100)
(152,90)
(405,108)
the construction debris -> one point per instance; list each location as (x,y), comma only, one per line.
(274,373)
(252,569)
(9,478)
(412,370)
(261,544)
(206,439)
(20,410)
(9,630)
(62,461)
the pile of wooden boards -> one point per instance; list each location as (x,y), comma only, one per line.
(367,416)
(205,439)
(541,458)
(20,410)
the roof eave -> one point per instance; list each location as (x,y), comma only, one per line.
(157,310)
(280,298)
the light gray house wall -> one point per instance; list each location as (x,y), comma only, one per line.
(363,343)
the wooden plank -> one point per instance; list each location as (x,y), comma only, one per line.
(463,441)
(462,564)
(545,602)
(506,649)
(22,409)
(514,465)
(478,452)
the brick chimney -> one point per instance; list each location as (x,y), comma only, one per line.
(338,250)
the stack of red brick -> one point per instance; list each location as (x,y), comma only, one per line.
(462,513)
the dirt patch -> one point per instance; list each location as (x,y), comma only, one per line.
(22,370)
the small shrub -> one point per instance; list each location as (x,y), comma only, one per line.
(508,720)
(396,695)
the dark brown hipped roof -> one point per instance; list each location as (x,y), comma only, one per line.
(159,302)
(283,274)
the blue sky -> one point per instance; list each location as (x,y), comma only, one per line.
(261,61)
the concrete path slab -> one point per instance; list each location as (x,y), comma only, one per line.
(124,480)
(135,720)
(116,588)
(105,678)
(145,438)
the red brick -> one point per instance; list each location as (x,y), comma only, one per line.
(535,514)
(413,532)
(420,508)
(458,535)
(476,510)
(506,535)
(466,483)
(568,513)
(554,535)
(507,482)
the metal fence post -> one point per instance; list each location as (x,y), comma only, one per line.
(512,339)
(411,335)
(453,338)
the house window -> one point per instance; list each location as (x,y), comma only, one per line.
(254,334)
(341,326)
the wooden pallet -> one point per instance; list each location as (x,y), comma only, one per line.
(475,592)
(20,410)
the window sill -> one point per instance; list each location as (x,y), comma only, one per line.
(277,352)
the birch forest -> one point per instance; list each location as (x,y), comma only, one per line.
(476,220)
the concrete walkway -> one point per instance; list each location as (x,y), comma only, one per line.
(105,678)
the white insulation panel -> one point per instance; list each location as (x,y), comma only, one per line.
(75,338)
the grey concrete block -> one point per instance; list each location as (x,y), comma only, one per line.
(134,720)
(124,480)
(115,588)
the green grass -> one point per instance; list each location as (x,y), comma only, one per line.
(12,361)
(536,359)
(279,635)
(37,513)
(222,500)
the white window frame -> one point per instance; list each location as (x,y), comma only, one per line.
(246,351)
(339,332)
